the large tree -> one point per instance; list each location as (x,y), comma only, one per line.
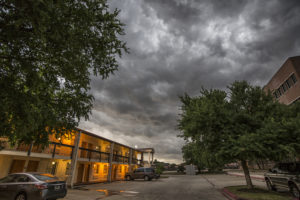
(49,50)
(245,124)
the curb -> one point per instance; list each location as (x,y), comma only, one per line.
(242,175)
(232,196)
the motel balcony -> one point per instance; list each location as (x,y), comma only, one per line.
(92,155)
(53,150)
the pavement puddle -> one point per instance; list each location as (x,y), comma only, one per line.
(108,193)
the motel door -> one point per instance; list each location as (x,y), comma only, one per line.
(80,173)
(17,166)
(114,172)
(32,166)
(87,173)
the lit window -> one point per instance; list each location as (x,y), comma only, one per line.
(68,167)
(96,169)
(120,169)
(105,169)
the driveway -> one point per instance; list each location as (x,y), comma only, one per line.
(175,187)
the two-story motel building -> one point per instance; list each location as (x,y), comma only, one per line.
(79,158)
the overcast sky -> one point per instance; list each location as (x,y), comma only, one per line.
(178,46)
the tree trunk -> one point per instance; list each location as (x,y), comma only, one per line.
(247,174)
(258,164)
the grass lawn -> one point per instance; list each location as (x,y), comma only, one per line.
(257,193)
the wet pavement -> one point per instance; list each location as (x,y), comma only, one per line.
(175,187)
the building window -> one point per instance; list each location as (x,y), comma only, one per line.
(98,148)
(68,167)
(283,87)
(120,169)
(105,169)
(293,77)
(53,167)
(290,81)
(279,92)
(96,169)
(287,84)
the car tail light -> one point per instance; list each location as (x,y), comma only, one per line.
(41,186)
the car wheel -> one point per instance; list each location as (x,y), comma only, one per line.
(270,186)
(295,190)
(128,178)
(21,196)
(146,178)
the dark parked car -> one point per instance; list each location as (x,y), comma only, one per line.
(32,186)
(284,175)
(141,173)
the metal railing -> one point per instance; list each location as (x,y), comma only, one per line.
(54,149)
(120,158)
(93,154)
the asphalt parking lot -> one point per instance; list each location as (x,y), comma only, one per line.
(206,187)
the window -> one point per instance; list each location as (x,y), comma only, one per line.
(283,167)
(293,77)
(287,84)
(140,170)
(8,179)
(68,167)
(149,170)
(105,169)
(120,169)
(53,168)
(98,148)
(45,177)
(279,92)
(22,178)
(96,169)
(290,81)
(283,87)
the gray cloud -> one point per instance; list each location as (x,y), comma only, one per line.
(178,46)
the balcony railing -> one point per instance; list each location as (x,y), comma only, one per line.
(54,149)
(120,158)
(136,161)
(93,154)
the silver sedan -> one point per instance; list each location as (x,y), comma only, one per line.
(32,186)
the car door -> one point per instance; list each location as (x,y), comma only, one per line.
(283,175)
(272,174)
(7,187)
(139,173)
(24,183)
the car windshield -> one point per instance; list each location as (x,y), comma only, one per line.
(45,177)
(294,167)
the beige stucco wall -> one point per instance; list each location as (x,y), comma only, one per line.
(5,162)
(44,165)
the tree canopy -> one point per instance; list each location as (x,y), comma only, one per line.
(48,52)
(242,125)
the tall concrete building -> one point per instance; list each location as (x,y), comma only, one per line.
(285,84)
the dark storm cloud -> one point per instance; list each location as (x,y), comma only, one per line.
(178,46)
